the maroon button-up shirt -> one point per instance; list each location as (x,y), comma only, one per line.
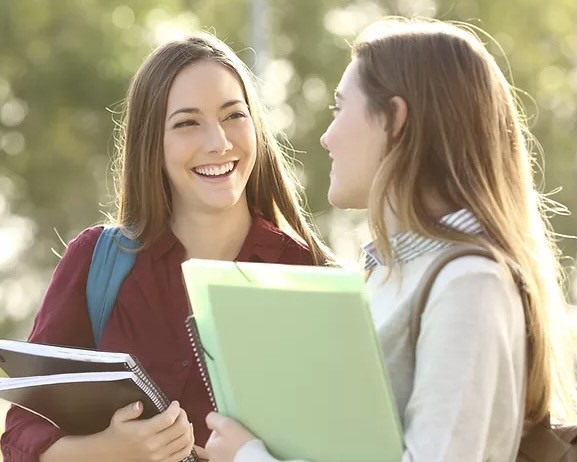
(148,321)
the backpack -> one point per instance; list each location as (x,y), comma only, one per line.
(113,258)
(540,442)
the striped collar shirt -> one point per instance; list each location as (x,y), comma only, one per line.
(409,245)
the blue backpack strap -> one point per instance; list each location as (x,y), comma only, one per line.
(109,267)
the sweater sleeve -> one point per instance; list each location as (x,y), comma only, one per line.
(62,320)
(255,451)
(468,371)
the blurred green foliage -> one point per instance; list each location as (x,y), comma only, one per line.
(65,65)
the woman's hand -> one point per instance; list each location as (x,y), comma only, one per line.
(166,437)
(228,436)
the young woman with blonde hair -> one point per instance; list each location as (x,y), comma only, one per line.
(427,135)
(201,176)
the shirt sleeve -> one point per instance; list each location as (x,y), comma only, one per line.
(62,320)
(466,396)
(255,451)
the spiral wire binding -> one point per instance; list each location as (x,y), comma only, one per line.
(156,395)
(199,356)
(150,388)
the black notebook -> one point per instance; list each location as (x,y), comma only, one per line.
(78,390)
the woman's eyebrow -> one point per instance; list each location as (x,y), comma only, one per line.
(195,110)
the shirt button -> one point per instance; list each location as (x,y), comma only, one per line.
(185,363)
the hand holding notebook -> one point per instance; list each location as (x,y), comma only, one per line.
(80,390)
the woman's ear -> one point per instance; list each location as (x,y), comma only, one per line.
(400,110)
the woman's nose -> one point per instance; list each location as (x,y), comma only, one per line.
(324,141)
(216,140)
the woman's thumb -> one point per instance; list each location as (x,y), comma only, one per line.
(130,412)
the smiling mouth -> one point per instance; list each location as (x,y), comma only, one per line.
(216,171)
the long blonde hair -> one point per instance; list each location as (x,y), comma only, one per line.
(465,141)
(143,194)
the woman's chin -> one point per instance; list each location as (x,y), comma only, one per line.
(341,200)
(223,202)
(337,200)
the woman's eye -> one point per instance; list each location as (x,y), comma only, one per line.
(236,115)
(185,123)
(334,108)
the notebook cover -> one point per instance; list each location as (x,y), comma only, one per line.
(80,408)
(23,364)
(292,354)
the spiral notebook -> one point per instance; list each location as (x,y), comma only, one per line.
(291,352)
(76,389)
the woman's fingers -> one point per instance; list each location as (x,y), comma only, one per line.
(201,452)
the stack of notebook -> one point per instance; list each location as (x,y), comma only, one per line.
(78,390)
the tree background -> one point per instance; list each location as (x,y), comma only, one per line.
(65,65)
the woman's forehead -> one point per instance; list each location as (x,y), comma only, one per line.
(206,84)
(349,82)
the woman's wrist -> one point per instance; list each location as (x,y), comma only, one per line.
(253,451)
(89,448)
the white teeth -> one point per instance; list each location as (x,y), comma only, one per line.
(214,170)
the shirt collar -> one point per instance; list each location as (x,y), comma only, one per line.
(264,242)
(409,245)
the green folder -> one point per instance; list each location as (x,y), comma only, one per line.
(292,354)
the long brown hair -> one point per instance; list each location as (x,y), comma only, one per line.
(143,194)
(465,142)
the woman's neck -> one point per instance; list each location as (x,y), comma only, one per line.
(215,236)
(437,209)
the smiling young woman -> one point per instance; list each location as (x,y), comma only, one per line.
(209,155)
(200,175)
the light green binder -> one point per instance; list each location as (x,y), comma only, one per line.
(292,354)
